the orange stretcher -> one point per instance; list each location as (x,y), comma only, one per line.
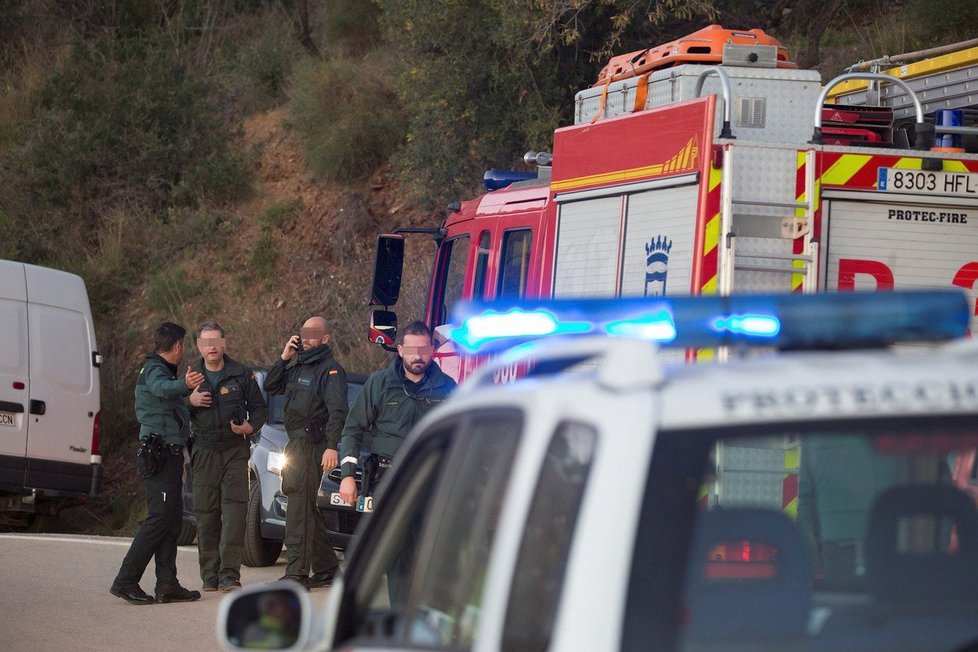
(704,46)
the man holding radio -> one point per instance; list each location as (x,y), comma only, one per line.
(225,411)
(314,385)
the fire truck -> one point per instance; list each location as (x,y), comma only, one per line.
(713,165)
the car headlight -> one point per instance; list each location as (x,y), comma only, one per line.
(276,462)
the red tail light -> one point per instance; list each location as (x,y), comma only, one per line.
(96,433)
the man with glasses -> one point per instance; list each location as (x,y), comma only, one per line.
(225,410)
(390,403)
(314,385)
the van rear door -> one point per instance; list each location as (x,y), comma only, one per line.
(64,391)
(14,377)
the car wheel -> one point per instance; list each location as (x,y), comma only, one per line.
(258,551)
(188,532)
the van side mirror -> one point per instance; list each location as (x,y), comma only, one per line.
(273,616)
(383,328)
(388,266)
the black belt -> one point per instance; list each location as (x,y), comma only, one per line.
(173,449)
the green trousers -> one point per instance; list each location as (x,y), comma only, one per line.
(307,547)
(220,488)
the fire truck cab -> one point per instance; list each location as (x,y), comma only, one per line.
(611,500)
(746,176)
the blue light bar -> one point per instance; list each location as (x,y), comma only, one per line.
(498,179)
(788,321)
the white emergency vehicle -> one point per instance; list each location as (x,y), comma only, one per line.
(818,494)
(49,393)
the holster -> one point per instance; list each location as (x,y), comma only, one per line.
(369,470)
(151,456)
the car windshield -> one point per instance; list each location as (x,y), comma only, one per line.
(849,536)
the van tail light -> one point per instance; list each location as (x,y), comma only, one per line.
(96,433)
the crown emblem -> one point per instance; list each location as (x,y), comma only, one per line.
(658,244)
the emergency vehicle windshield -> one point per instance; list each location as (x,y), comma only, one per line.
(852,535)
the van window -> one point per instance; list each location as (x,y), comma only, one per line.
(13,325)
(454,261)
(59,349)
(540,564)
(448,506)
(514,264)
(846,531)
(447,593)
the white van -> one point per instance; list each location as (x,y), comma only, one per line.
(49,392)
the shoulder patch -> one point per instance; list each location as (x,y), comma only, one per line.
(333,372)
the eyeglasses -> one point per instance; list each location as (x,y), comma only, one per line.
(417,350)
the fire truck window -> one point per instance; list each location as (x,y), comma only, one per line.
(542,558)
(454,263)
(514,264)
(481,265)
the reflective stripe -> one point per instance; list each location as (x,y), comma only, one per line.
(349,460)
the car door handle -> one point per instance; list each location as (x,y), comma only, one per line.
(38,407)
(7,406)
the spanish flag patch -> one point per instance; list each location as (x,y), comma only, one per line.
(334,372)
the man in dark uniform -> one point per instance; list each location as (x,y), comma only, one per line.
(164,422)
(315,409)
(390,403)
(225,410)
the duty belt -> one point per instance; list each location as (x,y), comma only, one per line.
(173,449)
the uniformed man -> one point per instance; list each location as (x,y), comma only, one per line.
(390,403)
(164,425)
(225,410)
(315,409)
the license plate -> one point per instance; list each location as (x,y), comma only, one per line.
(8,419)
(364,503)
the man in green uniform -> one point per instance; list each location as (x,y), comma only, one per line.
(225,410)
(164,422)
(315,408)
(390,403)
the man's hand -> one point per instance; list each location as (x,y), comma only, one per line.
(244,429)
(291,347)
(193,378)
(200,399)
(348,490)
(330,459)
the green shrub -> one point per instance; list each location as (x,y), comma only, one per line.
(275,215)
(263,259)
(169,289)
(126,121)
(347,116)
(256,63)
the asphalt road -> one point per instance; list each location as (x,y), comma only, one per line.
(54,595)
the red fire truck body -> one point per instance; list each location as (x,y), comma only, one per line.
(705,180)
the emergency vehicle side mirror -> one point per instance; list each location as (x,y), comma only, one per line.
(274,616)
(388,265)
(383,328)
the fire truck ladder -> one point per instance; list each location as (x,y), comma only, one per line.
(946,81)
(736,219)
